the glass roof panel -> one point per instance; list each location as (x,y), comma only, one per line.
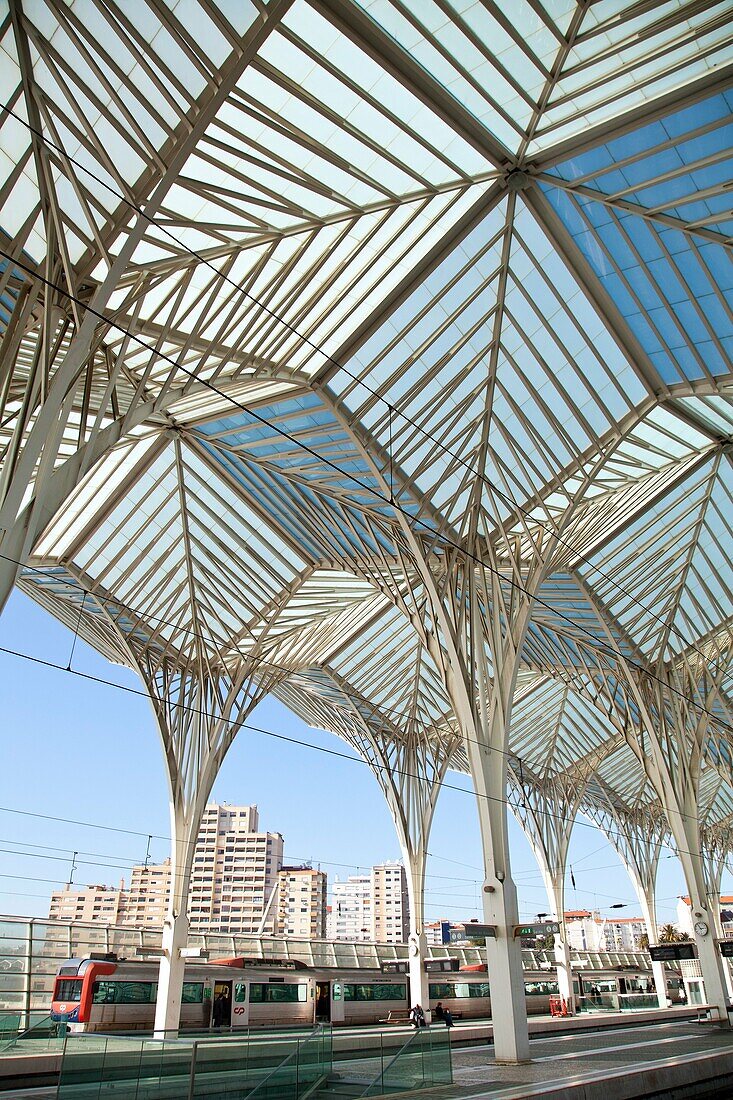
(111,89)
(666,577)
(670,291)
(622,57)
(493,63)
(678,166)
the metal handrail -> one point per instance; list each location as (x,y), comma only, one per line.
(393,1059)
(26,1032)
(318,1028)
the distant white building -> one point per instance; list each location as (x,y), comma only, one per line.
(587,930)
(372,908)
(351,909)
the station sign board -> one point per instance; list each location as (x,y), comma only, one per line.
(151,952)
(672,952)
(193,953)
(544,928)
(473,932)
(479,931)
(441,965)
(726,948)
(398,966)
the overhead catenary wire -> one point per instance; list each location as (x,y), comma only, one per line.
(391,409)
(645,671)
(304,744)
(596,642)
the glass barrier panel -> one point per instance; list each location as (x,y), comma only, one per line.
(631,1001)
(423,1062)
(81,1067)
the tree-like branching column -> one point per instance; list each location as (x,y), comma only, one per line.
(717,844)
(637,838)
(408,754)
(198,712)
(546,810)
(60,385)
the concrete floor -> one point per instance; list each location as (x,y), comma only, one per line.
(621,1062)
(617,1060)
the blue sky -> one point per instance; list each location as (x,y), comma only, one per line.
(89,752)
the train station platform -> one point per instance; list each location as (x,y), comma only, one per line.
(667,1060)
(664,1053)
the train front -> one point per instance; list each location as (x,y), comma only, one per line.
(73,990)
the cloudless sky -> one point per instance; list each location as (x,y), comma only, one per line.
(75,749)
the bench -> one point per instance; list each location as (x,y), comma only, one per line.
(397,1017)
(708,1014)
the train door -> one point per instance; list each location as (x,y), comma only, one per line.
(323,1002)
(240,1006)
(221,1013)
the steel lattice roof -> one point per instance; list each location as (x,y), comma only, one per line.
(462,263)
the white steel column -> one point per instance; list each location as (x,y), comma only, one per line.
(638,838)
(198,716)
(546,812)
(672,712)
(416,941)
(501,909)
(410,764)
(716,848)
(184,831)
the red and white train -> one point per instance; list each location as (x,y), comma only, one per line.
(102,993)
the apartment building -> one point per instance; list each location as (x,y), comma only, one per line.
(145,903)
(301,905)
(371,907)
(390,905)
(87,903)
(351,909)
(235,870)
(588,931)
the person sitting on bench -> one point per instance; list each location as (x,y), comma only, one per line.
(443,1014)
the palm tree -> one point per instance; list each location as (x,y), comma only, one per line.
(668,933)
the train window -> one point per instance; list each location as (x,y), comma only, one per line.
(240,992)
(124,993)
(193,993)
(104,993)
(261,993)
(458,990)
(540,989)
(68,990)
(381,992)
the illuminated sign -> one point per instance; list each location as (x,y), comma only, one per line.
(672,952)
(545,928)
